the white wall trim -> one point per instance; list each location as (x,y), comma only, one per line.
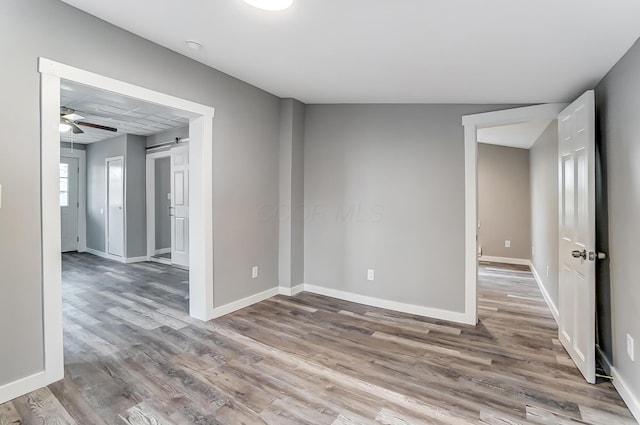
(82,194)
(160,260)
(22,386)
(162,251)
(471,125)
(284,290)
(418,310)
(200,116)
(245,302)
(545,294)
(131,260)
(506,260)
(632,401)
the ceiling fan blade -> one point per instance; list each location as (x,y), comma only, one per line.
(98,126)
(75,128)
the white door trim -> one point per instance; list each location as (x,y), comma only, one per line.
(124,207)
(201,192)
(82,194)
(151,199)
(471,125)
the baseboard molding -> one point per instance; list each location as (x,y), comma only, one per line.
(123,260)
(162,251)
(432,313)
(545,294)
(160,260)
(22,386)
(291,291)
(505,260)
(632,401)
(245,302)
(131,260)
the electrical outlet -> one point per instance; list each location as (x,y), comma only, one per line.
(254,272)
(630,348)
(507,244)
(370,274)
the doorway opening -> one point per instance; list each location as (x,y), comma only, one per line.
(200,118)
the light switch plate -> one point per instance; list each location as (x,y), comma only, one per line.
(370,274)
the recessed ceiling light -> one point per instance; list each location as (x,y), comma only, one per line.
(193,45)
(270,4)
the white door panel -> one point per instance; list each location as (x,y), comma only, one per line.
(180,206)
(69,183)
(576,172)
(115,206)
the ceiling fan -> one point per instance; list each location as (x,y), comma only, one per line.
(69,120)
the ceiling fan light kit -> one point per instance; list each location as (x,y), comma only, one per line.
(271,5)
(69,120)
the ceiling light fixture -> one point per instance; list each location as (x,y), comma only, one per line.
(64,126)
(193,45)
(270,4)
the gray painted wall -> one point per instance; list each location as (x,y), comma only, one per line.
(136,203)
(618,106)
(97,153)
(245,139)
(167,136)
(76,146)
(504,210)
(163,187)
(384,190)
(291,209)
(543,160)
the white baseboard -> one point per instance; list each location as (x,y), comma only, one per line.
(291,291)
(245,302)
(22,386)
(163,251)
(160,260)
(116,258)
(632,401)
(131,260)
(545,294)
(505,260)
(432,313)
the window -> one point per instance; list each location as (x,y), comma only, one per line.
(64,185)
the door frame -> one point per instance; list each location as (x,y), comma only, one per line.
(81,155)
(124,208)
(151,199)
(201,191)
(472,123)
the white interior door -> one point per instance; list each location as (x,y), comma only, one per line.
(576,151)
(69,182)
(180,206)
(115,206)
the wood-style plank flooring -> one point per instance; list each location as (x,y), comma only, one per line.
(134,356)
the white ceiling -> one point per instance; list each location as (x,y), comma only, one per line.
(395,51)
(520,135)
(129,116)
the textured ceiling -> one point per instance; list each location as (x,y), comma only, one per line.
(390,51)
(129,116)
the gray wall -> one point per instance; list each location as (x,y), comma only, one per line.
(291,209)
(384,190)
(543,160)
(163,187)
(136,203)
(96,187)
(618,107)
(167,136)
(245,168)
(504,210)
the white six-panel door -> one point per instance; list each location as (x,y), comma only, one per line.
(180,206)
(576,153)
(69,181)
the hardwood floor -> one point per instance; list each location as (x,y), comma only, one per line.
(134,356)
